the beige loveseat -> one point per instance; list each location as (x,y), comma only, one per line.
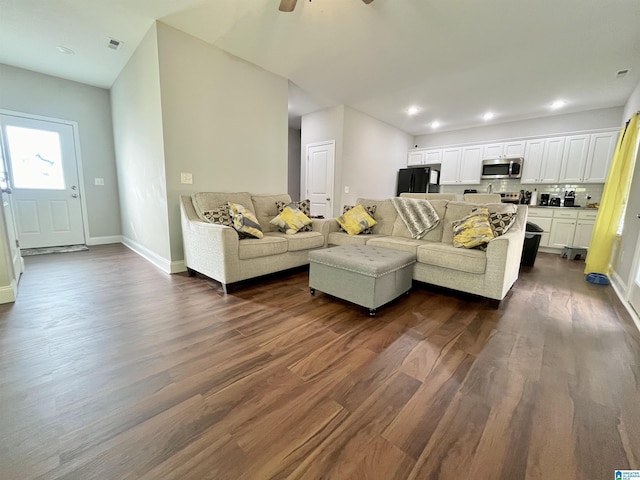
(489,273)
(217,252)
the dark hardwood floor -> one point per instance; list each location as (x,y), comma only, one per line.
(111,369)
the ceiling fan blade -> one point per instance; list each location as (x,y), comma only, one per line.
(367,1)
(288,5)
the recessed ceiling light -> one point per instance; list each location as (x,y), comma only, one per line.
(65,50)
(558,104)
(488,116)
(435,124)
(412,110)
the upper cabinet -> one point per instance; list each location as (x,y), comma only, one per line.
(461,166)
(542,160)
(492,151)
(430,156)
(415,157)
(601,149)
(574,158)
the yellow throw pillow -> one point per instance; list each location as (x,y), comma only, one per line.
(290,220)
(473,230)
(244,221)
(356,220)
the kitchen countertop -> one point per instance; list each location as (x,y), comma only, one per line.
(563,208)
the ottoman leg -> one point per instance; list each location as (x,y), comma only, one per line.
(372,312)
(312,290)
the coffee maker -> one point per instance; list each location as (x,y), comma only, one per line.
(544,199)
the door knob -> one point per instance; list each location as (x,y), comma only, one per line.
(74,195)
(638,214)
(73,187)
(6,190)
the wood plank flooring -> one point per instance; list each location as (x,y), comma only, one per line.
(111,369)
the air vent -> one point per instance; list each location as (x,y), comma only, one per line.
(622,73)
(114,44)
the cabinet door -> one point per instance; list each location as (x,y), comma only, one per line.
(492,151)
(551,160)
(574,158)
(601,149)
(471,165)
(450,169)
(513,149)
(432,157)
(562,231)
(533,155)
(415,157)
(584,231)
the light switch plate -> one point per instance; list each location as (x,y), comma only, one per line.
(346,189)
(99,181)
(186,178)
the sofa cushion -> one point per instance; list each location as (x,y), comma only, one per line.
(300,241)
(204,201)
(501,222)
(385,214)
(219,215)
(265,209)
(397,243)
(435,235)
(447,256)
(303,205)
(263,247)
(356,220)
(290,220)
(459,210)
(342,238)
(244,221)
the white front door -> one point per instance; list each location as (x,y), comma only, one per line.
(43,174)
(320,164)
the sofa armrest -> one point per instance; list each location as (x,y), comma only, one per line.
(503,258)
(333,225)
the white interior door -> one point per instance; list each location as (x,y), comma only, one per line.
(320,165)
(8,219)
(43,175)
(634,289)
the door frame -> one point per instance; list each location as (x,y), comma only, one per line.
(333,170)
(76,145)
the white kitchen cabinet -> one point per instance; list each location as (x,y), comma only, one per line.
(584,228)
(601,149)
(513,149)
(433,156)
(450,168)
(471,165)
(562,231)
(415,157)
(542,217)
(574,158)
(542,160)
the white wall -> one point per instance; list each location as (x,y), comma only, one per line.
(372,154)
(325,125)
(551,125)
(137,125)
(224,121)
(37,94)
(632,105)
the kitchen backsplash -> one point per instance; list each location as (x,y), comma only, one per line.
(583,190)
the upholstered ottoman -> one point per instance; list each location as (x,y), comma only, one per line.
(365,275)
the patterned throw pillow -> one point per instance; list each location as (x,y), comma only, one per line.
(291,220)
(371,210)
(473,230)
(219,215)
(244,221)
(501,222)
(303,205)
(356,220)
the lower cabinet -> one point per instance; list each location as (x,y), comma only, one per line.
(562,231)
(563,227)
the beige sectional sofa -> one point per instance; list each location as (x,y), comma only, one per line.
(217,252)
(489,273)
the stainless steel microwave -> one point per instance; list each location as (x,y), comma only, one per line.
(502,168)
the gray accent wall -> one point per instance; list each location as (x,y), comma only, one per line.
(293,156)
(34,93)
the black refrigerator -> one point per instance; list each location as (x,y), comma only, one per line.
(416,180)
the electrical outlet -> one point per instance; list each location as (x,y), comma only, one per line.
(346,189)
(99,181)
(186,178)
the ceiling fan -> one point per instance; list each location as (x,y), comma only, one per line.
(289,5)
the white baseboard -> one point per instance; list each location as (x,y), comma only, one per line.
(104,240)
(9,293)
(178,266)
(160,262)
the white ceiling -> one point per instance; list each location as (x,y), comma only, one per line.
(454,59)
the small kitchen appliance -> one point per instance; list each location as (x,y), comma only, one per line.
(544,199)
(554,202)
(569,198)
